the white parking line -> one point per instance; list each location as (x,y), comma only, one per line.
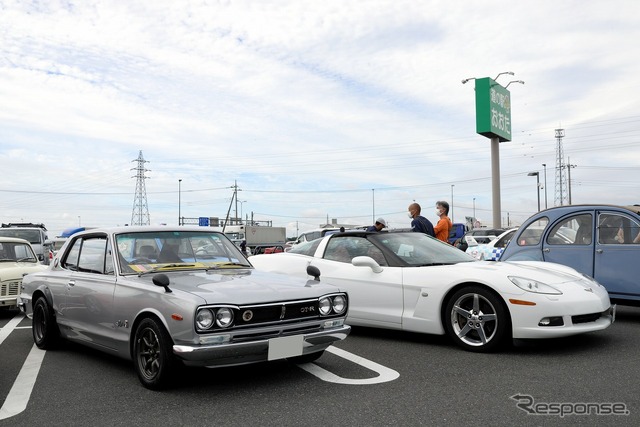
(10,326)
(384,374)
(20,393)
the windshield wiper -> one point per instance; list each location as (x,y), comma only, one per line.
(161,267)
(226,264)
(429,264)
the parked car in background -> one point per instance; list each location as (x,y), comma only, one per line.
(162,296)
(315,234)
(413,282)
(268,249)
(53,246)
(17,259)
(479,235)
(602,241)
(490,251)
(36,234)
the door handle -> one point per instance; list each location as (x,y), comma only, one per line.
(546,250)
(72,283)
(598,251)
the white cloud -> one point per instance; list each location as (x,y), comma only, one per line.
(304,102)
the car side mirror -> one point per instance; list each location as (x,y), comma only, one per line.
(366,261)
(313,271)
(162,280)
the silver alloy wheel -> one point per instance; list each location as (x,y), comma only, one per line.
(474,319)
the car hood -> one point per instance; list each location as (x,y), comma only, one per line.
(545,272)
(246,286)
(16,270)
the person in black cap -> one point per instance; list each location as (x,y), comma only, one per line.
(378,226)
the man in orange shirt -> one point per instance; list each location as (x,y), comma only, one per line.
(444,225)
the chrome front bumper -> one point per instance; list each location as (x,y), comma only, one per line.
(230,354)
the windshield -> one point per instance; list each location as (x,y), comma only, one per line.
(12,252)
(417,249)
(143,252)
(31,236)
(306,248)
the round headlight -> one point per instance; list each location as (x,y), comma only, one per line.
(324,306)
(224,317)
(339,304)
(204,319)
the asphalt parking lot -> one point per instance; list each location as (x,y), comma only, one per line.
(583,380)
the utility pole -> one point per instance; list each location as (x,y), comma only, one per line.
(569,166)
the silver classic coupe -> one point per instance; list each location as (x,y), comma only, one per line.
(164,296)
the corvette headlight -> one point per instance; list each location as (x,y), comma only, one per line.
(224,317)
(534,286)
(591,280)
(324,306)
(204,319)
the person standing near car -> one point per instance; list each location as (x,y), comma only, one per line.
(444,225)
(378,226)
(419,223)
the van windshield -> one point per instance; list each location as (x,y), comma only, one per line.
(31,236)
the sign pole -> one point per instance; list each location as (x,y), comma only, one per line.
(495,182)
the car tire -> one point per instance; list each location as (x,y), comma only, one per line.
(306,358)
(152,354)
(477,320)
(46,334)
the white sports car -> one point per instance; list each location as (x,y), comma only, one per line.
(410,281)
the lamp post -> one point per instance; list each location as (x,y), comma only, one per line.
(474,213)
(179,201)
(242,202)
(452,185)
(537,175)
(544,165)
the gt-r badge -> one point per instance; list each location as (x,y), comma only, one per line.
(247,315)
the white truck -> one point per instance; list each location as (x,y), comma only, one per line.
(257,237)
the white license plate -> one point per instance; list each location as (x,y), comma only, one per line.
(282,347)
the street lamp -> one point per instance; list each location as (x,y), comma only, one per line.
(514,81)
(474,212)
(537,175)
(179,201)
(452,185)
(511,73)
(544,165)
(242,202)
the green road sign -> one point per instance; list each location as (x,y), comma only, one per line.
(493,110)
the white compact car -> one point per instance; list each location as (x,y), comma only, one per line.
(490,251)
(410,281)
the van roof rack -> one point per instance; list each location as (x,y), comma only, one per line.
(23,224)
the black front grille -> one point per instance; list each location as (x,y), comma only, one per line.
(301,310)
(265,314)
(585,318)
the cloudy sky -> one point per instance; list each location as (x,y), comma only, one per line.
(318,110)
